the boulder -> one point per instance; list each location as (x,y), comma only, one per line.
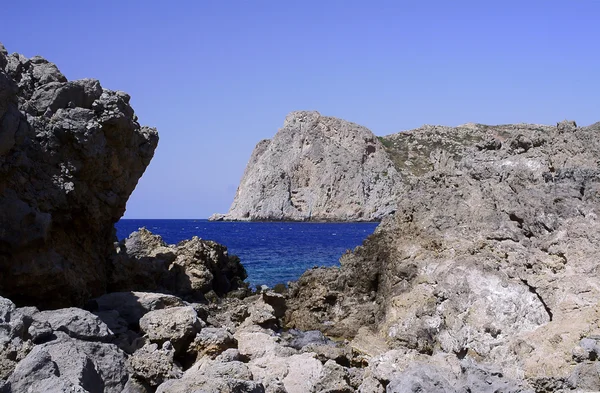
(71,153)
(212,342)
(14,343)
(192,269)
(214,376)
(71,365)
(153,366)
(76,323)
(177,325)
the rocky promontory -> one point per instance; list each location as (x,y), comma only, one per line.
(317,168)
(71,153)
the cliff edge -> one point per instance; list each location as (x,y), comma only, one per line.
(316,168)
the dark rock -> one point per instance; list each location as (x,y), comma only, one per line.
(71,153)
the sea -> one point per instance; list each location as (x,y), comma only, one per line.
(271,252)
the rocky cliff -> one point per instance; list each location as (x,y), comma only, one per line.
(491,256)
(71,153)
(316,168)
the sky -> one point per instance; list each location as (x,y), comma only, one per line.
(216,77)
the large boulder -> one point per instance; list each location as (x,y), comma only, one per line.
(68,364)
(71,153)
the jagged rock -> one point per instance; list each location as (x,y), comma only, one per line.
(75,322)
(490,254)
(420,378)
(153,365)
(178,325)
(67,364)
(212,342)
(334,379)
(71,153)
(14,343)
(257,342)
(132,306)
(316,168)
(370,385)
(214,376)
(297,373)
(191,269)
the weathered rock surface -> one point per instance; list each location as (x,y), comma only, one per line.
(132,306)
(71,153)
(490,256)
(68,364)
(316,168)
(191,269)
(76,323)
(177,325)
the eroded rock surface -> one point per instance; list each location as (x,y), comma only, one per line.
(71,153)
(316,168)
(490,255)
(191,269)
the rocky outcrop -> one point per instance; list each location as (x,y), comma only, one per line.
(192,269)
(316,168)
(491,256)
(71,153)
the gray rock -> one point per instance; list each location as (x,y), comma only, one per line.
(178,325)
(420,378)
(72,365)
(297,373)
(132,306)
(212,342)
(370,385)
(71,153)
(316,168)
(153,365)
(14,344)
(334,379)
(489,255)
(191,269)
(213,376)
(75,322)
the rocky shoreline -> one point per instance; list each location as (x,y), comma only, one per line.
(484,279)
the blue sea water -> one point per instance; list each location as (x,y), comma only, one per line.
(271,252)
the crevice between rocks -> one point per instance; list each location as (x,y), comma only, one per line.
(533,290)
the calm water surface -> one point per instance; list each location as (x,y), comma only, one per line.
(272,252)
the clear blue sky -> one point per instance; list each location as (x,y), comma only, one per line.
(215,77)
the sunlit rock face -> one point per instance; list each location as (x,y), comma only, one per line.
(316,168)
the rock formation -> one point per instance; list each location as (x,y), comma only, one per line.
(316,168)
(192,269)
(491,256)
(71,153)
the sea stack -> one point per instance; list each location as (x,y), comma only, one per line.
(316,168)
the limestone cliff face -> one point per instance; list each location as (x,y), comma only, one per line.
(316,168)
(71,153)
